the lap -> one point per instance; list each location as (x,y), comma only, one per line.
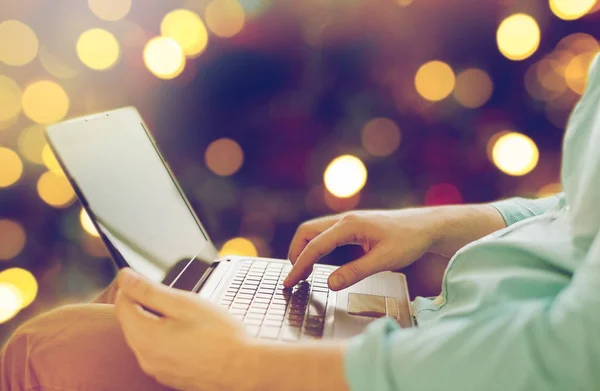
(78,347)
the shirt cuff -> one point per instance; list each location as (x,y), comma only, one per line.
(517,209)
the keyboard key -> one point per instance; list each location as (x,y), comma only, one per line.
(244,296)
(294,322)
(252,330)
(252,321)
(255,315)
(260,305)
(256,310)
(269,332)
(276,311)
(263,296)
(289,333)
(261,300)
(275,323)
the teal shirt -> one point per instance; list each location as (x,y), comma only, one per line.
(520,308)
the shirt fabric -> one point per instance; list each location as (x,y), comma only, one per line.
(520,308)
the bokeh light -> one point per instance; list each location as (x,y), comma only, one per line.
(98,49)
(571,9)
(187,29)
(338,204)
(345,176)
(10,302)
(549,73)
(11,167)
(443,194)
(45,102)
(515,154)
(239,246)
(55,190)
(404,3)
(576,73)
(224,157)
(10,99)
(381,137)
(473,88)
(435,80)
(225,18)
(50,161)
(110,10)
(86,223)
(23,281)
(518,37)
(31,143)
(56,66)
(18,43)
(550,189)
(164,57)
(12,239)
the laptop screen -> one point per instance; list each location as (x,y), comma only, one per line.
(132,196)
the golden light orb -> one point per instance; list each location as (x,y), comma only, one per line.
(571,9)
(110,10)
(239,246)
(12,239)
(87,224)
(10,302)
(404,3)
(98,49)
(435,80)
(550,189)
(187,29)
(11,167)
(31,143)
(518,37)
(225,18)
(50,161)
(345,176)
(576,72)
(55,190)
(381,137)
(45,102)
(18,43)
(224,157)
(10,99)
(474,88)
(23,281)
(515,154)
(164,57)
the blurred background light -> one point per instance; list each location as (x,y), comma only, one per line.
(18,43)
(518,37)
(253,8)
(443,194)
(576,73)
(10,99)
(435,80)
(381,137)
(404,3)
(49,160)
(515,154)
(571,9)
(110,10)
(345,176)
(11,167)
(10,302)
(473,88)
(239,246)
(164,57)
(31,143)
(55,190)
(550,189)
(86,223)
(55,66)
(224,157)
(45,102)
(12,239)
(187,29)
(23,281)
(225,18)
(98,49)
(339,204)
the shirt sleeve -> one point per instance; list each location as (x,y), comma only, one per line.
(516,209)
(542,344)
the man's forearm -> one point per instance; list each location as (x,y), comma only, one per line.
(290,367)
(463,224)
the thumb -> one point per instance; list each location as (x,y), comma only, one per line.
(355,271)
(153,296)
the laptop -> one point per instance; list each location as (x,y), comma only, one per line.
(148,224)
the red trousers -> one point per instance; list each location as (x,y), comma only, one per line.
(73,348)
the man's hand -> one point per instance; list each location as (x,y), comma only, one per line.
(194,345)
(391,239)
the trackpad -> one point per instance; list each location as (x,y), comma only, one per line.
(372,306)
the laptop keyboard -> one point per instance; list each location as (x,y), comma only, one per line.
(256,296)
